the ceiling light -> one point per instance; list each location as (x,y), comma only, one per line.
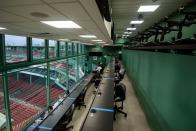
(127,32)
(137,22)
(148,8)
(64,39)
(87,36)
(1,28)
(97,40)
(62,24)
(131,28)
(101,42)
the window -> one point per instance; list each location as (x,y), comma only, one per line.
(75,48)
(2,106)
(69,50)
(79,48)
(62,49)
(59,75)
(38,48)
(15,48)
(72,71)
(27,90)
(52,48)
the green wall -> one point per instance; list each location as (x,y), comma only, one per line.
(166,87)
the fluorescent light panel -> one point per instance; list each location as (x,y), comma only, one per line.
(136,22)
(148,8)
(64,39)
(1,28)
(62,24)
(127,32)
(101,42)
(87,36)
(131,28)
(96,40)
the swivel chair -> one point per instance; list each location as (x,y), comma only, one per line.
(119,96)
(65,120)
(80,100)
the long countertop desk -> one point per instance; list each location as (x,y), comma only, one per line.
(100,115)
(53,118)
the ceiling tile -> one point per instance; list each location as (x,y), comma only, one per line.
(26,11)
(72,10)
(8,3)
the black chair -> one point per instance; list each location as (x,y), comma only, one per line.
(80,100)
(119,96)
(65,120)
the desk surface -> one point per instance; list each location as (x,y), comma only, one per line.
(100,116)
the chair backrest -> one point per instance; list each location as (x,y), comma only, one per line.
(69,113)
(120,91)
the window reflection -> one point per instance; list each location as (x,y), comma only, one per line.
(38,48)
(52,48)
(15,48)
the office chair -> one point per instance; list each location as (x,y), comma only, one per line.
(65,120)
(119,96)
(80,100)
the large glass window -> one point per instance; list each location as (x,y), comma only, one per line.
(75,48)
(79,48)
(28,94)
(38,48)
(15,48)
(72,71)
(62,49)
(81,69)
(52,48)
(69,50)
(58,77)
(2,107)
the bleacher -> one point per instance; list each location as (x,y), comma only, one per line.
(21,114)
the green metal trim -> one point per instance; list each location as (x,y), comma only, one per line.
(2,50)
(24,64)
(66,47)
(29,49)
(67,74)
(77,59)
(58,49)
(7,101)
(47,49)
(48,85)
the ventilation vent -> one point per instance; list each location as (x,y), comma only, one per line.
(43,34)
(39,15)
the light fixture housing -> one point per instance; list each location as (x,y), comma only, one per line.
(62,24)
(131,28)
(148,8)
(64,39)
(2,28)
(101,42)
(127,32)
(97,40)
(136,22)
(87,36)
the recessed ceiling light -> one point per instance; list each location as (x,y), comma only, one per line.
(101,42)
(148,8)
(87,36)
(97,40)
(62,24)
(64,39)
(131,28)
(127,32)
(1,28)
(137,22)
